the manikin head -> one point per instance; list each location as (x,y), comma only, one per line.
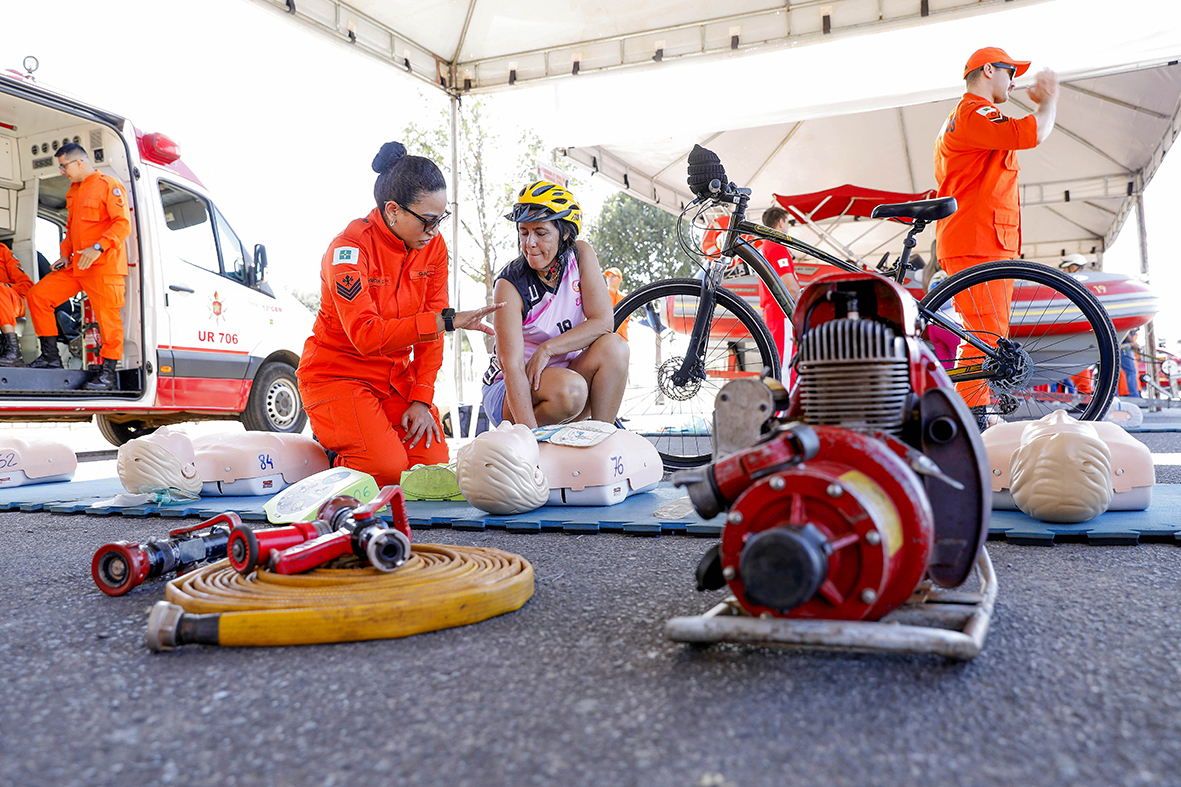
(498,471)
(162,460)
(1061,472)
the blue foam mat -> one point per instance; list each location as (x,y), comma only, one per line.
(1161,522)
(634,515)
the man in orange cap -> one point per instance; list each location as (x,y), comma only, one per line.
(614,278)
(976,162)
(93,260)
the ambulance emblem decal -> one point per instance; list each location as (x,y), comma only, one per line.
(348,286)
(216,308)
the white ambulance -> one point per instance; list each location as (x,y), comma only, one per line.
(205,336)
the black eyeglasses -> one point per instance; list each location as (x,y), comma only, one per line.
(1011,69)
(428,224)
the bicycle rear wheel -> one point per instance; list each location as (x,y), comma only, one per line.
(678,418)
(1064,353)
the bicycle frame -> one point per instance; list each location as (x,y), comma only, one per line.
(736,245)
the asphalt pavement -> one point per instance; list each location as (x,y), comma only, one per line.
(1076,684)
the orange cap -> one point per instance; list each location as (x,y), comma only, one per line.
(616,271)
(993,54)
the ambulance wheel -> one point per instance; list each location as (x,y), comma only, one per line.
(274,404)
(119,432)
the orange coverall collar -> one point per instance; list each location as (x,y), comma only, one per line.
(385,233)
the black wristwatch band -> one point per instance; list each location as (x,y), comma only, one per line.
(449,320)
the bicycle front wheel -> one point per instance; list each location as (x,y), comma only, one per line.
(676,413)
(1062,351)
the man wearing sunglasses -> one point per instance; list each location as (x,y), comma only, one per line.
(976,162)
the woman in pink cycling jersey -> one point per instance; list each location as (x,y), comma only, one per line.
(557,358)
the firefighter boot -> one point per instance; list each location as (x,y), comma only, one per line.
(10,350)
(106,377)
(48,359)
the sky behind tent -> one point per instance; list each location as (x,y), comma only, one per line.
(281,125)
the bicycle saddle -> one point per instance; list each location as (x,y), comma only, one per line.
(923,210)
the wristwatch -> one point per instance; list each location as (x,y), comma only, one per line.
(449,320)
(98,247)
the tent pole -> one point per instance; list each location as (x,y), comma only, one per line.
(455,336)
(1150,338)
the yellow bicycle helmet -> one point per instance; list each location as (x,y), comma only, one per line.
(545,201)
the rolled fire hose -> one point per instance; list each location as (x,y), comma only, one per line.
(438,587)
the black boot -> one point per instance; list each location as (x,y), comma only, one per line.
(48,359)
(105,379)
(10,350)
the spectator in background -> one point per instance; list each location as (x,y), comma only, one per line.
(1129,349)
(781,262)
(1073,263)
(614,278)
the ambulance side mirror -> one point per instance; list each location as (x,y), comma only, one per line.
(258,271)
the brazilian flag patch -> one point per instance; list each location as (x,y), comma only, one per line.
(346,255)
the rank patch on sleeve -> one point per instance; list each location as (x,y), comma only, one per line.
(346,255)
(348,286)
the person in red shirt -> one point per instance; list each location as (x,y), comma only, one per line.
(367,373)
(14,285)
(93,260)
(976,162)
(780,259)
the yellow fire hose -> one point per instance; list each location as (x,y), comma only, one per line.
(438,587)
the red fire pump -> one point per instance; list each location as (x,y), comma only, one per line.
(122,565)
(341,525)
(874,478)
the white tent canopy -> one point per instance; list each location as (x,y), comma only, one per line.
(486,45)
(1112,131)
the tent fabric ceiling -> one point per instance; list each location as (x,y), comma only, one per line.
(1077,188)
(487,45)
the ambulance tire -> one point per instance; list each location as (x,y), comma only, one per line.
(118,433)
(274,404)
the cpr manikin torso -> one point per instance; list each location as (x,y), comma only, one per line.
(255,463)
(621,463)
(588,464)
(1061,470)
(24,462)
(161,460)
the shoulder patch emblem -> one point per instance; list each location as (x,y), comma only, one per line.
(117,191)
(346,255)
(992,113)
(348,286)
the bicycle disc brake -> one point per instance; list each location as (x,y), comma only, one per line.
(1010,371)
(665,379)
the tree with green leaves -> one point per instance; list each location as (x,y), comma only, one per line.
(491,171)
(640,240)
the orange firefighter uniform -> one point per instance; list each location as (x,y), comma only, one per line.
(98,213)
(976,162)
(374,348)
(14,285)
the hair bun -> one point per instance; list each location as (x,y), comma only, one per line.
(390,154)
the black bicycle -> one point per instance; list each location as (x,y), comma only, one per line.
(1061,351)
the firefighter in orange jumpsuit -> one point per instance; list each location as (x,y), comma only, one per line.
(93,260)
(367,374)
(976,162)
(14,285)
